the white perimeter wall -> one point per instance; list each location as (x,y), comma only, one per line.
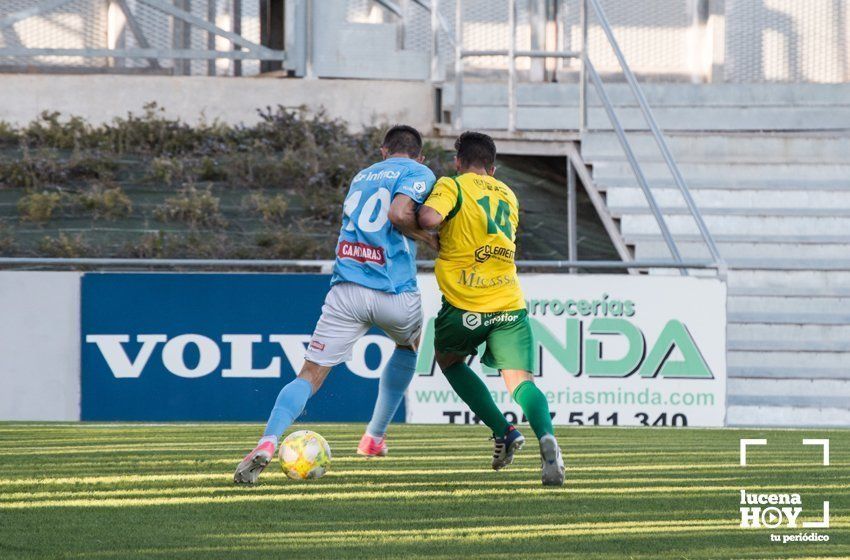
(39,345)
(99,98)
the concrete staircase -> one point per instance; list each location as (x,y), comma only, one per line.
(769,167)
(771,174)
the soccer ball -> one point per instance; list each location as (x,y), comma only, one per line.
(305,455)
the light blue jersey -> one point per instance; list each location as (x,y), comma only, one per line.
(370,251)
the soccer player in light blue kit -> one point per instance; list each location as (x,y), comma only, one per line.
(373,284)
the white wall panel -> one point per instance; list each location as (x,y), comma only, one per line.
(39,345)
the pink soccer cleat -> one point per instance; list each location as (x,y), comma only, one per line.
(372,447)
(253,464)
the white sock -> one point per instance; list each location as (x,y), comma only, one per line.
(272,439)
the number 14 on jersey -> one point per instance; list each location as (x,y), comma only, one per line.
(502,219)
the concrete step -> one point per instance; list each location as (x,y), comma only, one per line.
(800,238)
(726,211)
(838,361)
(763,331)
(787,318)
(815,281)
(790,416)
(796,346)
(723,107)
(776,266)
(668,118)
(741,198)
(791,400)
(722,172)
(816,221)
(789,290)
(656,248)
(787,372)
(658,95)
(775,184)
(777,147)
(789,264)
(789,392)
(779,304)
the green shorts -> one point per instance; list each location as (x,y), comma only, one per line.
(510,343)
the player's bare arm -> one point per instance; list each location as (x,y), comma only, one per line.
(402,216)
(429,218)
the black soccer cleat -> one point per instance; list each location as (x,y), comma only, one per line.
(504,447)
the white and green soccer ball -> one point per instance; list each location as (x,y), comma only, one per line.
(305,455)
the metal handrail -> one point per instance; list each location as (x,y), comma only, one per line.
(511,53)
(656,132)
(253,51)
(390,6)
(633,163)
(9,262)
(25,13)
(588,71)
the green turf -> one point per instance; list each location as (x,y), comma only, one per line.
(165,491)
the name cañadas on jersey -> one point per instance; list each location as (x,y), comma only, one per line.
(360,252)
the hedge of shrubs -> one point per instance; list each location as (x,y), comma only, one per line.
(151,186)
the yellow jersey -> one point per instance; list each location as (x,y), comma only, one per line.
(475,267)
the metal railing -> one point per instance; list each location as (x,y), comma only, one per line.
(659,140)
(589,73)
(511,53)
(325,266)
(184,21)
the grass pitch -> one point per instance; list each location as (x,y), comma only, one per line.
(165,491)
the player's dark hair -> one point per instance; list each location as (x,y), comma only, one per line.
(476,149)
(403,139)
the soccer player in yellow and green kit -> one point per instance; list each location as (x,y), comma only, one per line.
(477,216)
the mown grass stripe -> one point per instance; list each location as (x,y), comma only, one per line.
(384,480)
(116,479)
(322,494)
(459,450)
(496,528)
(378,489)
(500,535)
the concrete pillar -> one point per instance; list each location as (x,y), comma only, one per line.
(116,36)
(537,23)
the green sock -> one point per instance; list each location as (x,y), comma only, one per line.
(536,408)
(474,393)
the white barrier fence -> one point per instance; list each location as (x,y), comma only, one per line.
(610,349)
